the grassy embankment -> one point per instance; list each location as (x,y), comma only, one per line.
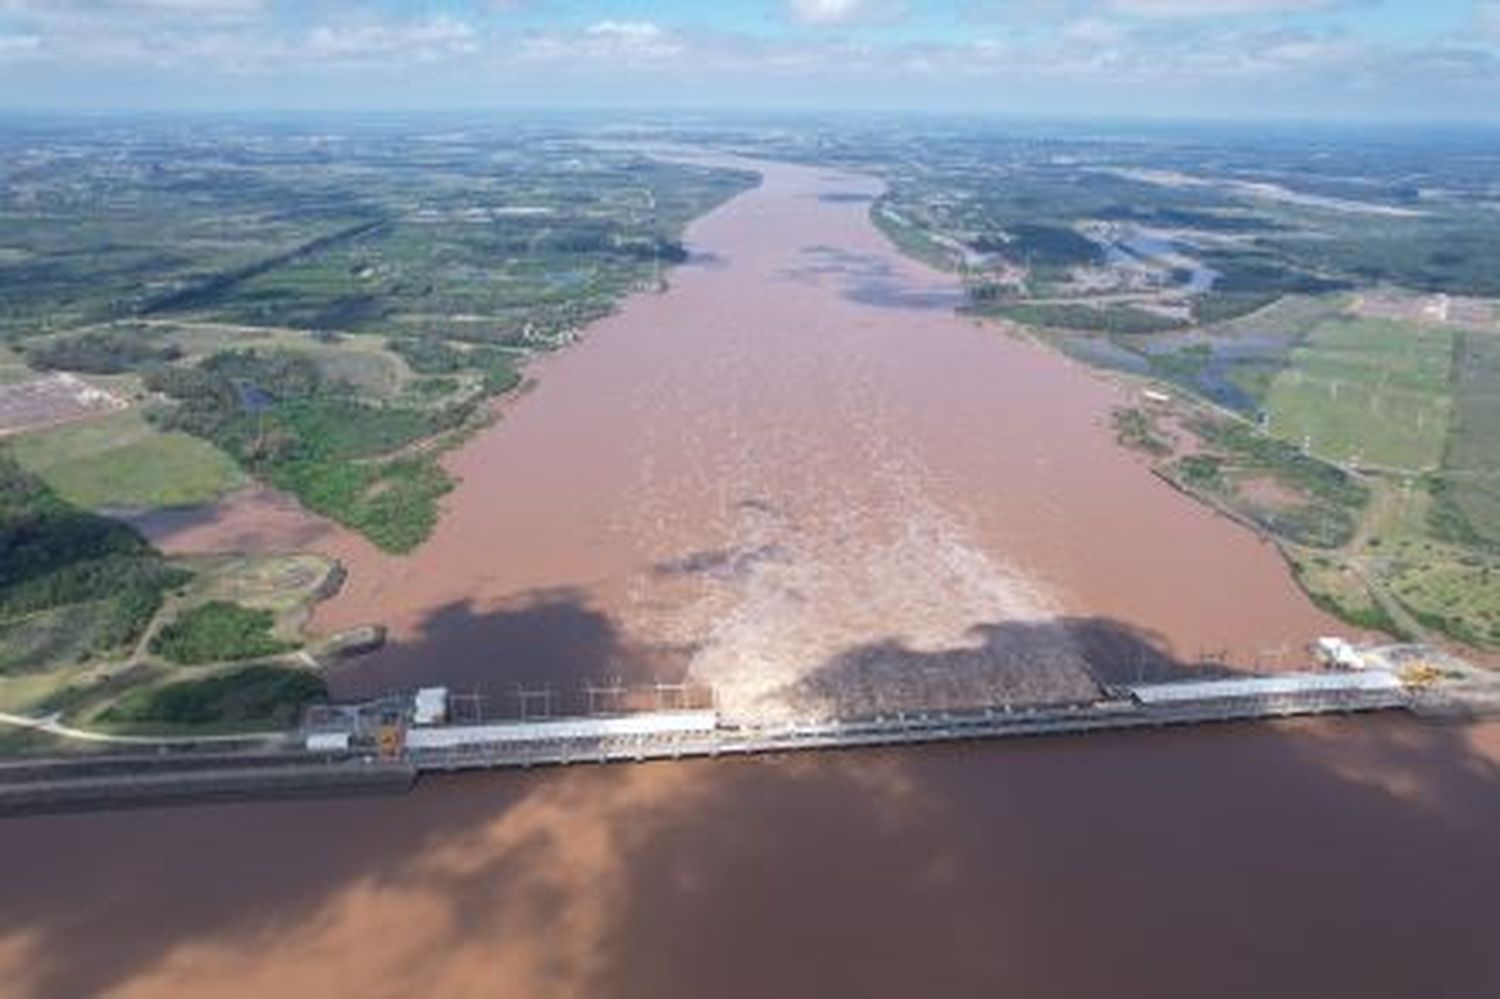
(92,617)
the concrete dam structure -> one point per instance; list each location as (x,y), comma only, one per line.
(387,745)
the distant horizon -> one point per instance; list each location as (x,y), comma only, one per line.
(750,115)
(1162,60)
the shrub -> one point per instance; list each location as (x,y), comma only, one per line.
(218,631)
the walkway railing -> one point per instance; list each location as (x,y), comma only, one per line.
(994,723)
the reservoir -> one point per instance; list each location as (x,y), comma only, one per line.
(792,475)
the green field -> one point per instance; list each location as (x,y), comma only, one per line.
(1447,586)
(1472,465)
(1292,315)
(1368,392)
(120,460)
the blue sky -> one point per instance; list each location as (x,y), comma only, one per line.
(1360,59)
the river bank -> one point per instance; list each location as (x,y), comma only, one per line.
(794,459)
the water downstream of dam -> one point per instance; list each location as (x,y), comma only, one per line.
(799,476)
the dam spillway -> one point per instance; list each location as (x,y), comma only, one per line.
(688,734)
(391,753)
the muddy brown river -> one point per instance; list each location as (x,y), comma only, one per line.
(799,477)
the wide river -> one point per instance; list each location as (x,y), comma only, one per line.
(798,477)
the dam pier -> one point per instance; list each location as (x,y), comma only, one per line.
(387,745)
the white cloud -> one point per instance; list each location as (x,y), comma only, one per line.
(630,32)
(417,41)
(76,11)
(1212,8)
(14,45)
(1093,31)
(223,7)
(1487,19)
(824,11)
(1100,54)
(628,41)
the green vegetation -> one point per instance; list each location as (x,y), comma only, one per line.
(1109,318)
(1137,429)
(1236,221)
(1318,504)
(1451,251)
(1202,473)
(1037,245)
(79,592)
(120,460)
(396,283)
(72,585)
(276,414)
(1184,365)
(1382,552)
(16,742)
(1467,509)
(1216,307)
(1372,392)
(1256,272)
(394,504)
(427,356)
(1340,591)
(912,239)
(218,631)
(1448,586)
(262,695)
(102,352)
(236,607)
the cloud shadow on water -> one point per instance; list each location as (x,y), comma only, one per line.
(550,639)
(1020,662)
(870,279)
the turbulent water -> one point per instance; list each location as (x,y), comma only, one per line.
(797,475)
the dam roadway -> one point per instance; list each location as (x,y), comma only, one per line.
(683,735)
(166,777)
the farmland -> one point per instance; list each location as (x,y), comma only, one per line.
(121,460)
(1320,315)
(414,271)
(1470,487)
(1367,392)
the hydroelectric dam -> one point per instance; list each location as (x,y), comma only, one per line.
(386,746)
